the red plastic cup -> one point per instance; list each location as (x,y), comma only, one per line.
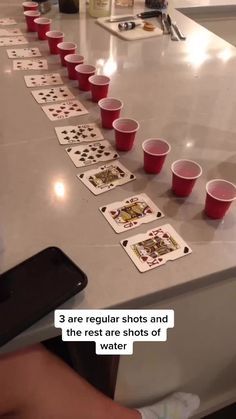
(64,49)
(72,60)
(110,110)
(184,176)
(83,72)
(43,25)
(125,131)
(30,5)
(30,15)
(99,87)
(155,152)
(54,38)
(220,195)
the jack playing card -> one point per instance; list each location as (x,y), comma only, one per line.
(54,94)
(64,110)
(10,32)
(72,134)
(43,80)
(131,213)
(6,21)
(13,40)
(23,53)
(155,247)
(105,178)
(85,155)
(36,64)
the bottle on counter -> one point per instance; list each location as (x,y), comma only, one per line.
(99,8)
(69,6)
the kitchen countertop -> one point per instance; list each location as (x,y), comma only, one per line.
(180,91)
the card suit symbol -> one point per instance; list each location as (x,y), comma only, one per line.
(93,135)
(144,258)
(186,249)
(75,137)
(98,155)
(125,242)
(64,132)
(51,109)
(86,151)
(68,150)
(77,152)
(90,129)
(115,155)
(67,138)
(122,174)
(81,176)
(131,176)
(82,159)
(66,112)
(90,157)
(93,149)
(102,147)
(135,222)
(158,214)
(100,151)
(160,259)
(63,107)
(73,131)
(165,236)
(107,153)
(113,212)
(103,209)
(58,110)
(84,155)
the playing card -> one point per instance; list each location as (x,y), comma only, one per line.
(155,247)
(64,110)
(6,21)
(43,80)
(13,40)
(85,155)
(36,64)
(131,213)
(105,178)
(54,94)
(10,32)
(72,134)
(23,53)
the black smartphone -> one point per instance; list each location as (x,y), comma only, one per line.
(35,287)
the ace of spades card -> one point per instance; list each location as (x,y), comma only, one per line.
(106,177)
(131,213)
(155,247)
(85,155)
(74,134)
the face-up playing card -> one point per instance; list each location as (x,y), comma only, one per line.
(72,134)
(54,94)
(49,79)
(23,53)
(64,110)
(6,21)
(131,213)
(13,40)
(155,247)
(36,64)
(85,155)
(107,177)
(10,32)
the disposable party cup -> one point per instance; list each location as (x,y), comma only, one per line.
(64,49)
(30,5)
(110,110)
(155,152)
(43,25)
(72,60)
(99,87)
(30,16)
(83,72)
(184,176)
(54,38)
(125,131)
(219,196)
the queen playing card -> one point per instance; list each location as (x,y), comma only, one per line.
(155,248)
(106,177)
(131,213)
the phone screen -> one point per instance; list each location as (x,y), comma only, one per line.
(35,287)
